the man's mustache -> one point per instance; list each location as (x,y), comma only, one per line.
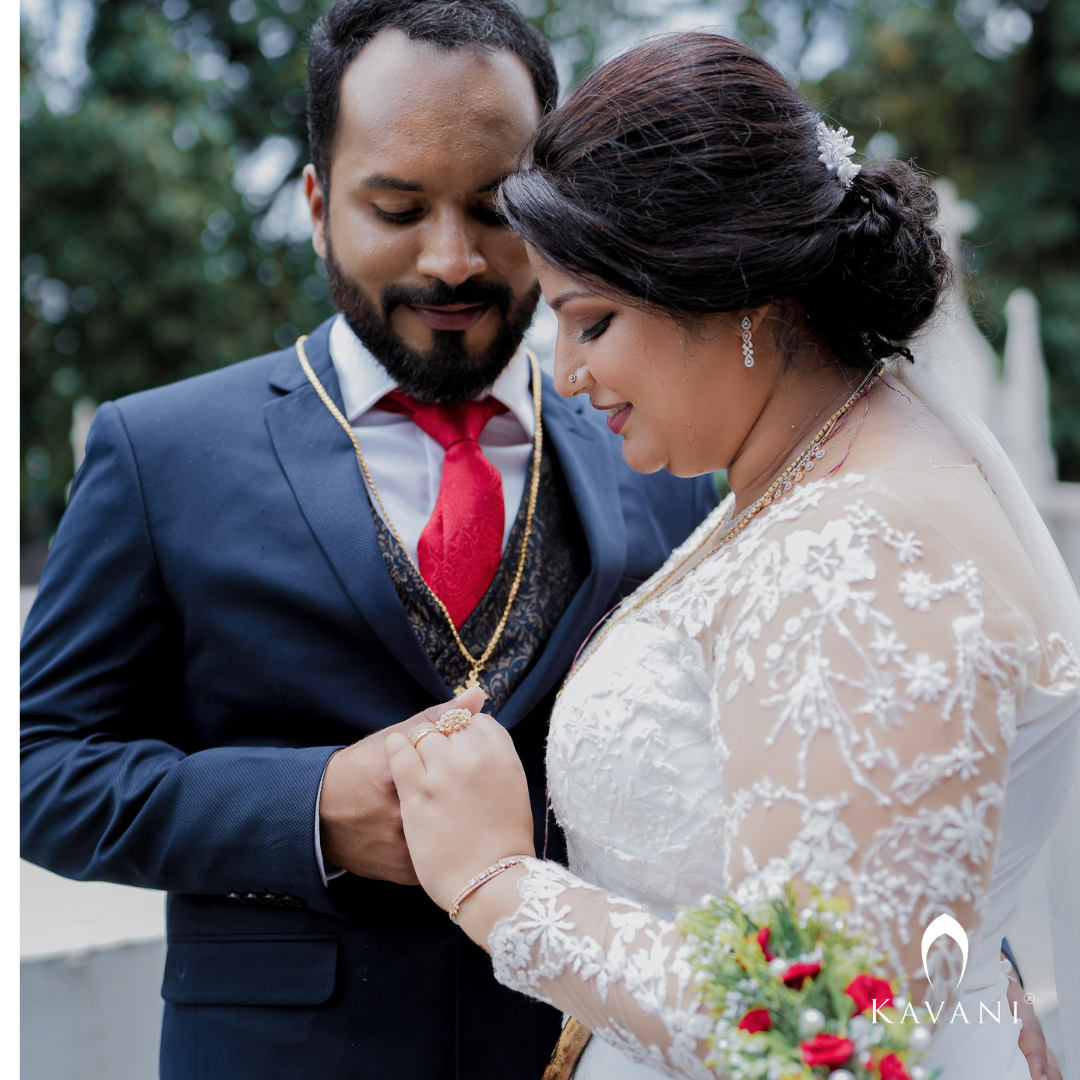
(439,294)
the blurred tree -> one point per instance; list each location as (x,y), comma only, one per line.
(162,232)
(986,93)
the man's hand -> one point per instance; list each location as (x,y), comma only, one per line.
(1040,1059)
(359,814)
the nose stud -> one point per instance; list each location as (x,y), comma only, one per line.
(575,375)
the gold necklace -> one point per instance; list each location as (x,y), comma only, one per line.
(791,476)
(476,663)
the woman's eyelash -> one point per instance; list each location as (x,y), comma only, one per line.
(591,333)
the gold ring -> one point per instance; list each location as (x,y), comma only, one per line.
(453,720)
(423,734)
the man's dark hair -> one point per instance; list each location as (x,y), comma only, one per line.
(349,25)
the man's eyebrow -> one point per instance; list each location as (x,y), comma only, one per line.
(566,297)
(381,180)
(491,185)
(395,183)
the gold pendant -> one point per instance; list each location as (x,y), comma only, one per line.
(470,682)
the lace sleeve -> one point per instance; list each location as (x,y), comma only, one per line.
(606,961)
(866,675)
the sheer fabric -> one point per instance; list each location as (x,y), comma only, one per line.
(866,691)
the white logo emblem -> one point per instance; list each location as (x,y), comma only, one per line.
(944,926)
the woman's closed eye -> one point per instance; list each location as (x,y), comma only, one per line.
(591,333)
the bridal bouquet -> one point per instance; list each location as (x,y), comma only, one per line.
(796,995)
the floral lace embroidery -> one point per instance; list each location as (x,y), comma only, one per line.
(646,955)
(815,637)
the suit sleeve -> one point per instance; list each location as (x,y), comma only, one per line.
(112,788)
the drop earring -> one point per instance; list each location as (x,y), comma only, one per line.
(747,342)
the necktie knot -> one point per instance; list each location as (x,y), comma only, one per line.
(446,424)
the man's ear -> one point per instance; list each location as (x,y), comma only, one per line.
(316,199)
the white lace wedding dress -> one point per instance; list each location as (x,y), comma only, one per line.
(865,691)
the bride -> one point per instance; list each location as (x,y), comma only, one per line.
(857,674)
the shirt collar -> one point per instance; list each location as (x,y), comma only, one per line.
(365,382)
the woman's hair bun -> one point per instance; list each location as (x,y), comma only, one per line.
(686,173)
(888,266)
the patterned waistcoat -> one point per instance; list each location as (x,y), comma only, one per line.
(556,565)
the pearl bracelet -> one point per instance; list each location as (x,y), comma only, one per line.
(474,883)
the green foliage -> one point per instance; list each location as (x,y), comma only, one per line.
(1004,131)
(142,263)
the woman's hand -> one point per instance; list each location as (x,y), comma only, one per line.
(464,800)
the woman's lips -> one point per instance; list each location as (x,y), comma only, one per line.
(451,317)
(617,415)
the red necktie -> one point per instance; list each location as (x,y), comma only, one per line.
(461,545)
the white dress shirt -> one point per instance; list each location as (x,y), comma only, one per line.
(406,463)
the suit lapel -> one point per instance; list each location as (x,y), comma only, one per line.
(320,464)
(590,464)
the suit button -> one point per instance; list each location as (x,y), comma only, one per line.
(232,896)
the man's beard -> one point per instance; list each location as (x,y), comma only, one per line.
(447,372)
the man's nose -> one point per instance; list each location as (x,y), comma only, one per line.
(450,252)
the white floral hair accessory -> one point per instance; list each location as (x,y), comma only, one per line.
(836,147)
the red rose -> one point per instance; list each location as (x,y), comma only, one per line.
(797,974)
(892,1068)
(763,936)
(864,990)
(826,1049)
(756,1020)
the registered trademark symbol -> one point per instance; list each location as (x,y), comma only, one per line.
(1029,998)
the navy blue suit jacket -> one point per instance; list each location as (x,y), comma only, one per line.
(214,620)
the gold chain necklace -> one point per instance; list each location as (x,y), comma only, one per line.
(476,663)
(791,476)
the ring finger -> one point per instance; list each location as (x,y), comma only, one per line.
(421,731)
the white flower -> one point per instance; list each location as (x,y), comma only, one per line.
(948,880)
(908,548)
(965,831)
(965,760)
(886,646)
(826,563)
(836,147)
(926,678)
(917,589)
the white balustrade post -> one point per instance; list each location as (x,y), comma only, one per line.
(951,345)
(1025,412)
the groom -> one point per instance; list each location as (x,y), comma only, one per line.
(233,613)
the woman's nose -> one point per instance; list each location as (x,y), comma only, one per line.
(572,378)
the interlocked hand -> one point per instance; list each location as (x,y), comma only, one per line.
(464,801)
(359,814)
